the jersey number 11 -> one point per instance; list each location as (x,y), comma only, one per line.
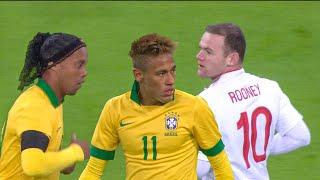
(145,147)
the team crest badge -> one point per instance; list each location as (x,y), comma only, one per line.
(171,123)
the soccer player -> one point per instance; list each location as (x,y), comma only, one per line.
(253,114)
(34,128)
(159,127)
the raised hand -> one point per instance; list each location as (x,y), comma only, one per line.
(83,144)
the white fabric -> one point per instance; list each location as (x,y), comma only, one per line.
(204,170)
(295,138)
(238,99)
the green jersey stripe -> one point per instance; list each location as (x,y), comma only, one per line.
(214,150)
(101,154)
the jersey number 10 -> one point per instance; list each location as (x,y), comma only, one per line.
(244,123)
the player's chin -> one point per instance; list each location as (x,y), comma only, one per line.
(202,74)
(73,91)
(166,99)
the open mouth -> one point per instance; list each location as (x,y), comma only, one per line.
(80,83)
(169,92)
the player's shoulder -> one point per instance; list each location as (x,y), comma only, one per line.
(32,101)
(118,100)
(206,92)
(33,97)
(182,95)
(187,97)
(263,81)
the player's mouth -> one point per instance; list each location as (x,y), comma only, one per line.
(80,83)
(200,66)
(169,92)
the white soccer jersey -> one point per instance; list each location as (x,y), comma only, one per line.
(249,110)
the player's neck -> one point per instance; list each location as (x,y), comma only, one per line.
(232,69)
(55,86)
(227,70)
(147,100)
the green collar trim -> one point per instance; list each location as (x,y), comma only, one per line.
(135,92)
(49,92)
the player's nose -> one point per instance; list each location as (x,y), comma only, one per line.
(200,56)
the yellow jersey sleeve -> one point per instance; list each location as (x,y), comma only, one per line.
(35,162)
(206,129)
(33,117)
(105,138)
(94,169)
(221,166)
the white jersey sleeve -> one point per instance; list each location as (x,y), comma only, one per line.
(298,136)
(288,115)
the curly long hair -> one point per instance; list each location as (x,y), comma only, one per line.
(44,51)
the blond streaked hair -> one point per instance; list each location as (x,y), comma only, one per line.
(148,46)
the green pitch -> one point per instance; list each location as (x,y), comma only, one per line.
(282,44)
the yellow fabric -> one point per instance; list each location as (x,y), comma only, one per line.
(94,169)
(39,164)
(31,111)
(221,166)
(137,127)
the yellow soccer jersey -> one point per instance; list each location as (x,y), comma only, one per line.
(159,142)
(37,109)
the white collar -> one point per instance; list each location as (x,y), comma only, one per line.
(227,76)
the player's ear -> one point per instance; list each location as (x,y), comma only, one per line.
(54,68)
(137,73)
(233,59)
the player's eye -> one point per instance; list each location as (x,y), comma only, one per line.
(209,52)
(161,73)
(80,64)
(173,71)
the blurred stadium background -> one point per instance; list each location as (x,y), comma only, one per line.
(281,38)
